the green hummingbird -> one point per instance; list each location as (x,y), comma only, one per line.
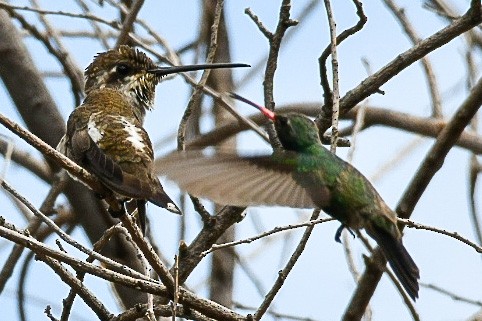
(302,175)
(105,134)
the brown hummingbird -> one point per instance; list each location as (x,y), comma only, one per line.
(105,134)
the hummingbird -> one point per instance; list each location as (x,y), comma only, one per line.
(303,174)
(105,134)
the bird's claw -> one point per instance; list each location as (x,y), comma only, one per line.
(340,229)
(116,213)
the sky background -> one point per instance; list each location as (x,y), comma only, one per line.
(320,284)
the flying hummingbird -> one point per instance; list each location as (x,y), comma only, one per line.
(105,134)
(302,175)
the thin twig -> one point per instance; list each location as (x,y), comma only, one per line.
(325,116)
(98,246)
(114,24)
(67,238)
(32,228)
(452,295)
(455,235)
(427,66)
(89,298)
(98,33)
(148,252)
(335,94)
(372,84)
(284,22)
(277,229)
(273,313)
(308,9)
(128,23)
(283,274)
(196,95)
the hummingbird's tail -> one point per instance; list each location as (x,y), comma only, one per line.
(400,260)
(161,199)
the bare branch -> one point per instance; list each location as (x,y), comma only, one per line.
(128,23)
(284,22)
(454,235)
(283,274)
(453,296)
(372,84)
(427,66)
(373,116)
(326,111)
(114,24)
(265,234)
(89,298)
(335,95)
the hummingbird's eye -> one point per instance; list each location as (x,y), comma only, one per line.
(123,69)
(284,121)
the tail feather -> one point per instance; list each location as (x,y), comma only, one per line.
(161,199)
(399,259)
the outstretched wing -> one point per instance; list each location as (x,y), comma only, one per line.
(233,180)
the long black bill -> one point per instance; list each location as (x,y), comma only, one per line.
(163,71)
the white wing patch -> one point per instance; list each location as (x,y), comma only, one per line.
(134,134)
(93,131)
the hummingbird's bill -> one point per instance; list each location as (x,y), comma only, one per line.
(268,113)
(163,71)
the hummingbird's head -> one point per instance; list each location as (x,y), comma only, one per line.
(131,72)
(295,131)
(126,70)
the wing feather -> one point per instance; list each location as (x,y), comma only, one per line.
(233,180)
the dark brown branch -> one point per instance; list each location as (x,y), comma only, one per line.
(128,23)
(208,308)
(89,298)
(72,71)
(98,246)
(190,256)
(284,22)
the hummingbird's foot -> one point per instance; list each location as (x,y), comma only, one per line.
(340,229)
(118,211)
(99,196)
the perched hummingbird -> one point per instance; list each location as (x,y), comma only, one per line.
(105,134)
(303,175)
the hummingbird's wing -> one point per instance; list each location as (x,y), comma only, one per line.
(105,168)
(240,181)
